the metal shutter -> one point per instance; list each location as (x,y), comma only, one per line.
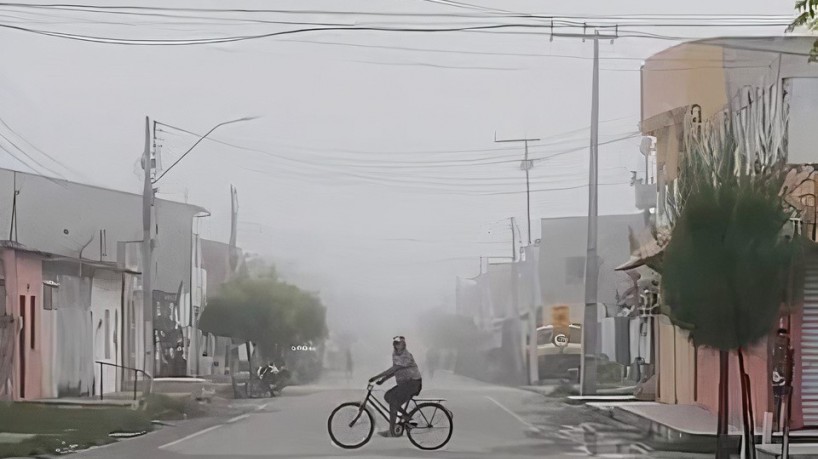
(809,345)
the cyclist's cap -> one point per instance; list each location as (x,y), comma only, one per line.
(398,339)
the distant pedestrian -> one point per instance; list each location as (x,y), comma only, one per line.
(432,361)
(350,368)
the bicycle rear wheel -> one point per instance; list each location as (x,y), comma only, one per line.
(430,426)
(350,425)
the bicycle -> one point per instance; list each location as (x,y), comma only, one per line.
(354,420)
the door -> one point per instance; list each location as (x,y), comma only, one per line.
(22,346)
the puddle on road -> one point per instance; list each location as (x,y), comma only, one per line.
(579,430)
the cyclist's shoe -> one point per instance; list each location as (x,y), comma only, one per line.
(386,434)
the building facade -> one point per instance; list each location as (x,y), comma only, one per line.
(767,85)
(83,242)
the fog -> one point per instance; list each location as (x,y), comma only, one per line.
(371,174)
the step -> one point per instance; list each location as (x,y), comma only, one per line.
(85,402)
(773,451)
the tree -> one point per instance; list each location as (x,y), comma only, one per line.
(267,312)
(726,268)
(807,18)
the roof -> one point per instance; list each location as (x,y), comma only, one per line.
(650,249)
(107,265)
(797,45)
(96,187)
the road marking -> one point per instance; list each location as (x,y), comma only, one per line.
(238,418)
(193,435)
(515,415)
(261,407)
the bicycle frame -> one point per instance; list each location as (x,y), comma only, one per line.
(381,408)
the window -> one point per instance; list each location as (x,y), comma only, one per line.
(543,336)
(33,319)
(575,334)
(107,335)
(48,297)
(574,270)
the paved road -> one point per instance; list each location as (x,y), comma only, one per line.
(490,421)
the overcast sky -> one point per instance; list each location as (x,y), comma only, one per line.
(371,172)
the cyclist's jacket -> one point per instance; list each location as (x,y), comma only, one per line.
(409,369)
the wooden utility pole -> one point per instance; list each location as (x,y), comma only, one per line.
(147,251)
(526,166)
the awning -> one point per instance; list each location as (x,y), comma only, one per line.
(650,249)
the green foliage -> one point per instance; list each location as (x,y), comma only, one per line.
(266,311)
(726,268)
(807,18)
(59,430)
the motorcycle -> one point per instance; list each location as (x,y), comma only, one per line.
(268,382)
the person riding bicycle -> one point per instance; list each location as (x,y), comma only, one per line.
(407,376)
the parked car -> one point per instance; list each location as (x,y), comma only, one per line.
(559,349)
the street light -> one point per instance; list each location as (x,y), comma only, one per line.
(246,118)
(148,194)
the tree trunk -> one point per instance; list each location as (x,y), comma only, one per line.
(746,409)
(722,441)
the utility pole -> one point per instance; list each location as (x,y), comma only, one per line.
(147,243)
(147,251)
(513,241)
(590,325)
(526,165)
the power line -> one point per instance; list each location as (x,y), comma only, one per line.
(493,28)
(35,148)
(483,160)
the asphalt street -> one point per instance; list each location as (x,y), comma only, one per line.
(489,422)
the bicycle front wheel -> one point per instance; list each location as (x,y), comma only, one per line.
(430,426)
(350,425)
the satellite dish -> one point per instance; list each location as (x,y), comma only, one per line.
(646,147)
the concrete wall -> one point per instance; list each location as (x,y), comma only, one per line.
(75,354)
(59,217)
(707,382)
(676,364)
(562,260)
(106,317)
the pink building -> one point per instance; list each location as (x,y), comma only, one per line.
(22,275)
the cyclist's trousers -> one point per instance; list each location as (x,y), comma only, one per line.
(402,393)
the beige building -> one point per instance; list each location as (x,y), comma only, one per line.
(691,83)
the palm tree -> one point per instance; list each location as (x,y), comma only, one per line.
(726,268)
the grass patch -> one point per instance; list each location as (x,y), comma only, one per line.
(64,429)
(166,408)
